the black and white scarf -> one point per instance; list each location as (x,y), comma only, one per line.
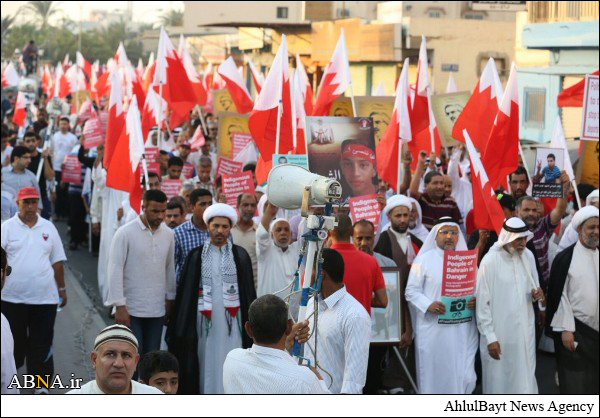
(231,294)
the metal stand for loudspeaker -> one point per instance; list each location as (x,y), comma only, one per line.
(403,364)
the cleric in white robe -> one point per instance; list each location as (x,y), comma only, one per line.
(571,236)
(445,353)
(214,294)
(507,286)
(573,308)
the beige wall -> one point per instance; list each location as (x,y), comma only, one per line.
(466,43)
(528,57)
(394,11)
(203,12)
(363,9)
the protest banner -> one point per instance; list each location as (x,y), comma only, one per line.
(103,122)
(92,132)
(589,122)
(380,109)
(549,162)
(365,207)
(153,167)
(151,154)
(341,107)
(222,102)
(72,171)
(171,187)
(235,184)
(587,167)
(446,109)
(296,159)
(188,170)
(239,141)
(230,123)
(343,149)
(458,286)
(227,167)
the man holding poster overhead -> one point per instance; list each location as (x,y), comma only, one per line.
(445,351)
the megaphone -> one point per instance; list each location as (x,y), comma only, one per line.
(287,184)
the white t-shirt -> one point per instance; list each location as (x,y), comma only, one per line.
(31,253)
(91,388)
(61,146)
(8,360)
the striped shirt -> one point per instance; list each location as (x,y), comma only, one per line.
(542,233)
(187,237)
(343,337)
(432,211)
(268,371)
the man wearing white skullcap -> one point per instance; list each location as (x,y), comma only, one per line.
(115,359)
(571,236)
(400,245)
(573,307)
(277,255)
(445,353)
(213,298)
(507,286)
(416,226)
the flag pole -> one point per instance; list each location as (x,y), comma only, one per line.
(145,169)
(574,184)
(352,96)
(524,162)
(279,107)
(399,178)
(160,114)
(202,121)
(293,92)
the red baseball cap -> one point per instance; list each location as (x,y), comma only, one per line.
(27,193)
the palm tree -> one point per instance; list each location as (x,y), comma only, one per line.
(42,11)
(171,18)
(7,22)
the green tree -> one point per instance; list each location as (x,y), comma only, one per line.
(7,22)
(16,38)
(171,18)
(42,11)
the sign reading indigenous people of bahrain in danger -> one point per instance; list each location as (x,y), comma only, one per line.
(458,286)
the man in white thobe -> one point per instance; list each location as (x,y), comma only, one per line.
(111,202)
(277,256)
(573,308)
(462,191)
(507,286)
(445,353)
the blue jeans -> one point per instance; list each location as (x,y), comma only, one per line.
(148,332)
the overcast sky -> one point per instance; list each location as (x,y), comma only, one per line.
(147,11)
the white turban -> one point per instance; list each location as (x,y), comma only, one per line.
(220,210)
(395,201)
(513,229)
(431,243)
(592,197)
(583,215)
